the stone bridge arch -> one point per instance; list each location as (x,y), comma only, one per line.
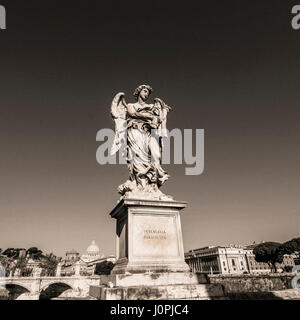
(54,289)
(23,284)
(16,290)
(49,287)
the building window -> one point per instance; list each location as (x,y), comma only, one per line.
(233,262)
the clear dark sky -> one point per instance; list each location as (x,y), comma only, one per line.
(230,67)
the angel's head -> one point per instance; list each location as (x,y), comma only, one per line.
(142,91)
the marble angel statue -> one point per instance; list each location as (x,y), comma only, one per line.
(139,130)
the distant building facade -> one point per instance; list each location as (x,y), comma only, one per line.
(32,264)
(72,256)
(225,260)
(232,259)
(86,262)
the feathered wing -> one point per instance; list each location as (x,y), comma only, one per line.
(163,111)
(119,114)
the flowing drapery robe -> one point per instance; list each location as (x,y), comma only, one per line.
(144,150)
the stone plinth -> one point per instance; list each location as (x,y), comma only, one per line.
(169,292)
(149,238)
(150,279)
(150,254)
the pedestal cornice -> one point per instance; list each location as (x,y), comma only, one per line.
(126,203)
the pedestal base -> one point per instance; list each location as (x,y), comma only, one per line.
(124,267)
(150,279)
(169,292)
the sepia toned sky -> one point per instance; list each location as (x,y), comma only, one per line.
(229,67)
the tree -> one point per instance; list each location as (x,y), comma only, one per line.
(49,265)
(104,267)
(6,262)
(35,253)
(21,265)
(292,246)
(11,253)
(12,259)
(269,252)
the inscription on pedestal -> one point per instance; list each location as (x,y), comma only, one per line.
(155,236)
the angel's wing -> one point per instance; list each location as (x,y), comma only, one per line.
(119,114)
(163,111)
(162,104)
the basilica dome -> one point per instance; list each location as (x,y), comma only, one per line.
(92,253)
(93,248)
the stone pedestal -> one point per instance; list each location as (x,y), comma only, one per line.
(149,237)
(150,256)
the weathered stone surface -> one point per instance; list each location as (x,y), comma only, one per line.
(234,287)
(170,292)
(254,283)
(150,279)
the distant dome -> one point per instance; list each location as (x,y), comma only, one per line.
(92,253)
(93,248)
